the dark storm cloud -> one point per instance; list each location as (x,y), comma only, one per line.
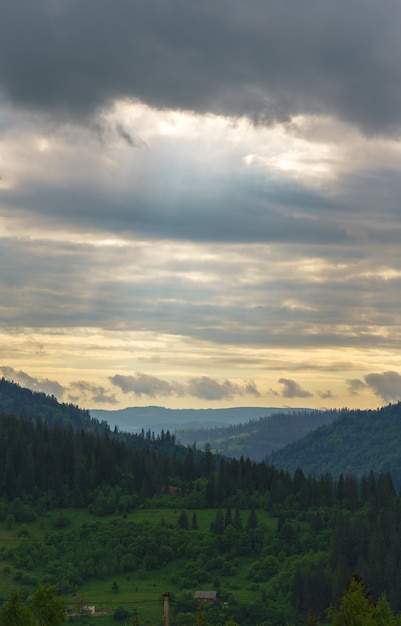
(266,59)
(292,389)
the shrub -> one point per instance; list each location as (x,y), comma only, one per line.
(120,613)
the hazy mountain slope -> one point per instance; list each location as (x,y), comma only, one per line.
(157,418)
(257,438)
(22,402)
(356,442)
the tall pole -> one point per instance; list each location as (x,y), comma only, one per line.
(166,608)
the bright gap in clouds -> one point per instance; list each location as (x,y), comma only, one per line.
(274,148)
(135,147)
(118,294)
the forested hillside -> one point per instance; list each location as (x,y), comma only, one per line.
(355,443)
(69,467)
(22,402)
(257,438)
(276,545)
(104,511)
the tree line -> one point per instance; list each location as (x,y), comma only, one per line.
(326,528)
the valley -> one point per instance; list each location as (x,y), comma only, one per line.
(113,520)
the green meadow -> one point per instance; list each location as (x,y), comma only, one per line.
(141,589)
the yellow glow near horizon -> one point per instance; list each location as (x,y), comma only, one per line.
(99,354)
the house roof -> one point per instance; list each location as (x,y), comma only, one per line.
(205,595)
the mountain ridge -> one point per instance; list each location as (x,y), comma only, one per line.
(257,438)
(156,417)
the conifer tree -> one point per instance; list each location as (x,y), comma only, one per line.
(252,521)
(194,522)
(183,521)
(356,608)
(228,517)
(237,520)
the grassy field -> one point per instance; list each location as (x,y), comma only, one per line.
(139,590)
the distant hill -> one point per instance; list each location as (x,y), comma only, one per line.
(258,438)
(355,443)
(133,419)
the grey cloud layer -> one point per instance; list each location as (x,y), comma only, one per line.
(203,217)
(265,59)
(252,208)
(263,303)
(202,387)
(210,231)
(144,385)
(385,385)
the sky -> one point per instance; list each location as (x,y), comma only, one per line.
(200,202)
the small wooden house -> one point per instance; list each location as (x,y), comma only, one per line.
(205,596)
